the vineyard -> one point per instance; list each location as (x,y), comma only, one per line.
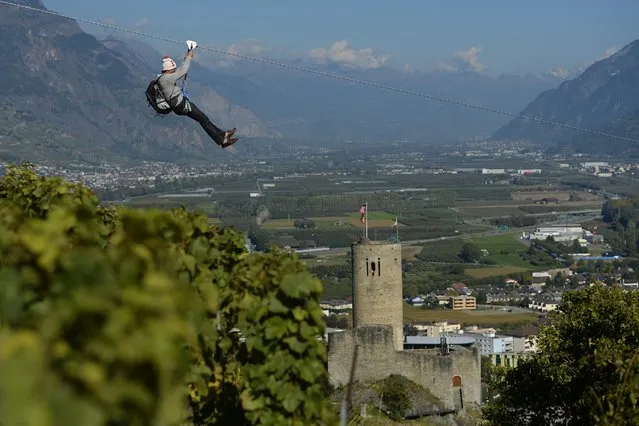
(335,271)
(113,316)
(441,251)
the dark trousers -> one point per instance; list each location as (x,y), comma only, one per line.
(188,108)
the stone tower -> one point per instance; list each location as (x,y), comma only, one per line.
(377,286)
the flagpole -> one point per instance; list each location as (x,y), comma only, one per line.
(366,219)
(396,229)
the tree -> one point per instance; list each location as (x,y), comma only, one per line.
(395,396)
(304,223)
(469,253)
(148,317)
(490,376)
(457,269)
(525,302)
(585,371)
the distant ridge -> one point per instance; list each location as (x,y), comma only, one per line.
(603,94)
(68,96)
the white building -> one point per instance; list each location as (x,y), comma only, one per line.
(543,306)
(493,171)
(489,343)
(525,344)
(594,164)
(436,329)
(529,172)
(335,307)
(559,233)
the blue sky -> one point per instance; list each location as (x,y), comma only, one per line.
(494,36)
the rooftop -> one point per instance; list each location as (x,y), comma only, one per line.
(430,340)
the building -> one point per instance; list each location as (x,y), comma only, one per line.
(443,300)
(558,233)
(508,359)
(493,171)
(431,342)
(525,338)
(460,288)
(529,172)
(451,372)
(540,277)
(463,302)
(543,305)
(438,328)
(335,306)
(490,343)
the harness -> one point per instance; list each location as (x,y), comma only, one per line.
(171,102)
(184,90)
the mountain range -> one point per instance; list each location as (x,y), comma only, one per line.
(68,96)
(604,98)
(305,106)
(71,96)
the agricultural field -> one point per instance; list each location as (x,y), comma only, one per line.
(375,220)
(523,203)
(491,210)
(342,257)
(409,253)
(451,205)
(330,222)
(476,317)
(504,252)
(493,272)
(559,195)
(504,249)
(444,251)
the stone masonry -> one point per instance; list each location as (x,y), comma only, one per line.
(453,376)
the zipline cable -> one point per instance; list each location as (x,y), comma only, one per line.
(320,73)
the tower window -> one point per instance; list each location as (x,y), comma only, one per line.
(371,267)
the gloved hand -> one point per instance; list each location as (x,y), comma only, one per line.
(191,44)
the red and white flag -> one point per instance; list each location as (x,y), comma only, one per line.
(362,213)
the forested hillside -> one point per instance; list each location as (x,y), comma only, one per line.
(602,98)
(67,96)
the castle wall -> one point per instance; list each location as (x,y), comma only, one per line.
(467,365)
(377,286)
(377,359)
(455,378)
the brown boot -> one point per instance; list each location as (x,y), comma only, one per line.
(228,140)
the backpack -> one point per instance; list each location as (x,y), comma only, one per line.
(156,99)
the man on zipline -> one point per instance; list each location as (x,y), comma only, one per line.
(181,105)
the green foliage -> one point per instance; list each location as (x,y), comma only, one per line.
(518,221)
(620,405)
(338,271)
(146,317)
(587,356)
(469,253)
(623,217)
(441,251)
(491,375)
(395,396)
